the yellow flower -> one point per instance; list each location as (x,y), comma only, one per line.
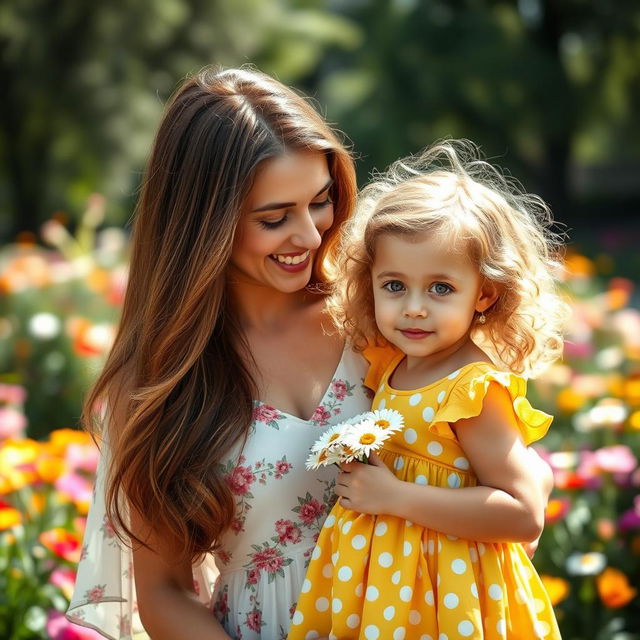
(60,439)
(9,517)
(557,588)
(634,420)
(614,589)
(632,391)
(17,464)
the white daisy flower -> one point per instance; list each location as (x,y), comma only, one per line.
(363,438)
(330,437)
(586,564)
(387,419)
(323,457)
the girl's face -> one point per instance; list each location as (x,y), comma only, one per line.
(283,219)
(426,295)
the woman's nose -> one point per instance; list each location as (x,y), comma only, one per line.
(307,234)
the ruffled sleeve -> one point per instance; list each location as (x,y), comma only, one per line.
(465,398)
(379,358)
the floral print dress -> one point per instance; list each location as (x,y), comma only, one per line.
(253,582)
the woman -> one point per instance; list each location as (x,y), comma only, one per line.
(224,371)
(242,203)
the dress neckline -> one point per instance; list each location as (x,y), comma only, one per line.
(393,365)
(322,399)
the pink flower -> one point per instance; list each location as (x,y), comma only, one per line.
(630,519)
(339,389)
(237,525)
(240,480)
(59,628)
(12,423)
(82,457)
(282,468)
(254,620)
(287,532)
(321,416)
(253,575)
(96,594)
(75,486)
(310,511)
(225,557)
(265,413)
(64,578)
(616,459)
(12,394)
(269,560)
(107,528)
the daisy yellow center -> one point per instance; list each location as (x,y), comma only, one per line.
(334,436)
(367,438)
(323,456)
(382,423)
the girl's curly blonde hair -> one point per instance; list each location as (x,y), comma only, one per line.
(449,189)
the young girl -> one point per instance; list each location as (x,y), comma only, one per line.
(451,267)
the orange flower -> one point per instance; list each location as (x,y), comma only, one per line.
(569,401)
(63,543)
(614,589)
(60,439)
(556,510)
(578,266)
(557,588)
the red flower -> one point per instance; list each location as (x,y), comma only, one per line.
(221,607)
(287,531)
(339,389)
(240,480)
(282,468)
(269,560)
(310,511)
(321,416)
(254,620)
(265,413)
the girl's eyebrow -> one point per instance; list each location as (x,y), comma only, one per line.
(283,205)
(400,276)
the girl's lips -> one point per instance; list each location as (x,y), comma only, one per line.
(415,334)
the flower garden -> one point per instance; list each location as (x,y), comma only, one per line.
(59,304)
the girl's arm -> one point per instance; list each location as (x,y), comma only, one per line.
(168,606)
(508,507)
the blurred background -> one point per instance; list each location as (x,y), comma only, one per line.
(549,89)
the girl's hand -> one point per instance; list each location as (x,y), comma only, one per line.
(367,488)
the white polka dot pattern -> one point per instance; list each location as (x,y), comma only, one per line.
(414,583)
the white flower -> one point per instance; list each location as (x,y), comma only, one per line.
(44,326)
(323,457)
(330,437)
(586,564)
(387,419)
(363,438)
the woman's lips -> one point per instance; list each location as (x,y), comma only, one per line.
(291,267)
(415,334)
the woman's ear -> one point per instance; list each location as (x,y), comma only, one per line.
(489,293)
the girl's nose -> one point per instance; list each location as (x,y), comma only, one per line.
(306,234)
(415,307)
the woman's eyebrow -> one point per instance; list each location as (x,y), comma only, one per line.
(272,206)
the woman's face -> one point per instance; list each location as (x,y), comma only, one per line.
(282,222)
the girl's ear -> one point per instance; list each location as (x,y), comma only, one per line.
(489,293)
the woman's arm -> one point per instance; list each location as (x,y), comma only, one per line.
(508,507)
(168,606)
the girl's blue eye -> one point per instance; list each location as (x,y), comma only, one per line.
(393,286)
(266,224)
(440,289)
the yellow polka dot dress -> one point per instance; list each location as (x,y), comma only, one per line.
(384,578)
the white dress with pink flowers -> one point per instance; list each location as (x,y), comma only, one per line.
(252,583)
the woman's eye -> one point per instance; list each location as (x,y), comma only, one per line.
(273,224)
(393,286)
(440,289)
(322,204)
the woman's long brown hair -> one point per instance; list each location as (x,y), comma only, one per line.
(178,392)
